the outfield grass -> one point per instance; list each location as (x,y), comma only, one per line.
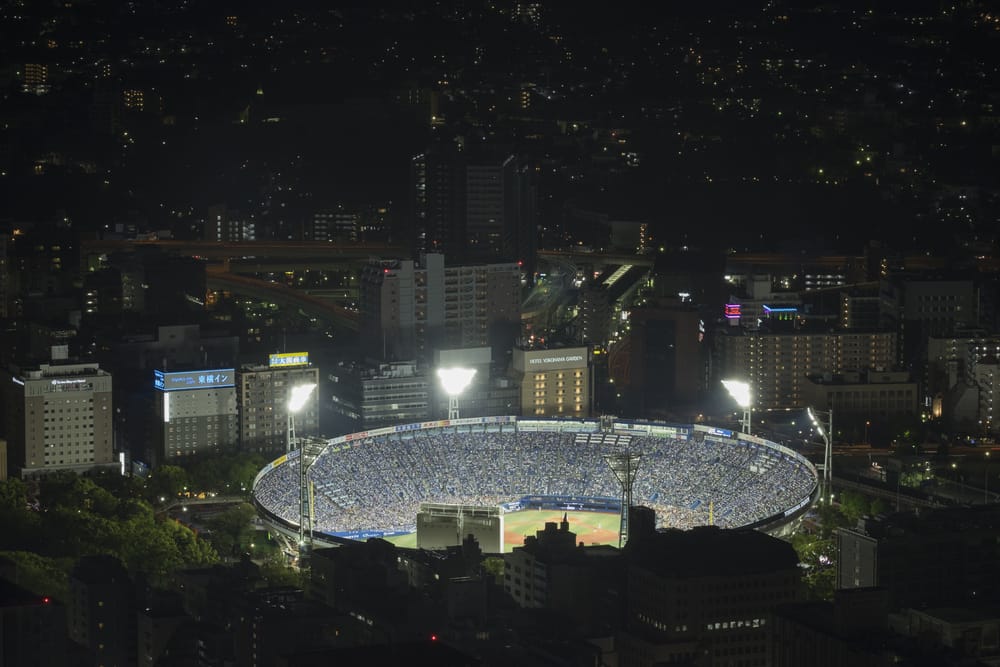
(590,527)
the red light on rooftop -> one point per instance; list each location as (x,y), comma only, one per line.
(46,599)
(434,638)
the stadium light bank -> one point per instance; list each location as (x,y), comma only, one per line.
(454,381)
(740,391)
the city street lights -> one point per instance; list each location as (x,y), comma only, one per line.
(740,391)
(826,432)
(868,422)
(454,381)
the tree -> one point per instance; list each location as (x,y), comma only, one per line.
(166,482)
(276,572)
(231,528)
(21,524)
(494,566)
(878,506)
(853,506)
(818,558)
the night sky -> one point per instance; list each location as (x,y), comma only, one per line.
(753,125)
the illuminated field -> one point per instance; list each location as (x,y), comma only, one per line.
(590,527)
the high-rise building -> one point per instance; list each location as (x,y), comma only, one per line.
(474,206)
(263,393)
(669,365)
(59,419)
(777,363)
(408,310)
(603,301)
(964,363)
(690,601)
(195,412)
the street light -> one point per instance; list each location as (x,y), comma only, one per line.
(826,432)
(740,391)
(454,381)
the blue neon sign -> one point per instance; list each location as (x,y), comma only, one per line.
(207,379)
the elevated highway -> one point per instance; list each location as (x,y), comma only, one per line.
(299,253)
(263,290)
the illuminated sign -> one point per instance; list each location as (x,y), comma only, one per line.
(732,311)
(220,377)
(783,313)
(288,359)
(556,360)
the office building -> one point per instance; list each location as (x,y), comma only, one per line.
(603,302)
(871,398)
(554,382)
(134,357)
(669,365)
(59,419)
(195,412)
(962,369)
(262,400)
(690,599)
(850,630)
(410,309)
(369,396)
(551,571)
(945,556)
(919,306)
(474,206)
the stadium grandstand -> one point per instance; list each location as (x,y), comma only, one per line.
(371,484)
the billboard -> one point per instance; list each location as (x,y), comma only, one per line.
(286,359)
(208,379)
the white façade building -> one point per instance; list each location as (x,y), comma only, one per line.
(59,418)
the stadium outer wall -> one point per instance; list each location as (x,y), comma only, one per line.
(779,523)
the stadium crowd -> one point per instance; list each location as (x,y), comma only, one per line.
(379,483)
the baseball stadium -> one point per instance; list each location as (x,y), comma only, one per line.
(375,483)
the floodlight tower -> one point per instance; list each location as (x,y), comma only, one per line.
(826,432)
(740,391)
(624,465)
(454,381)
(297,399)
